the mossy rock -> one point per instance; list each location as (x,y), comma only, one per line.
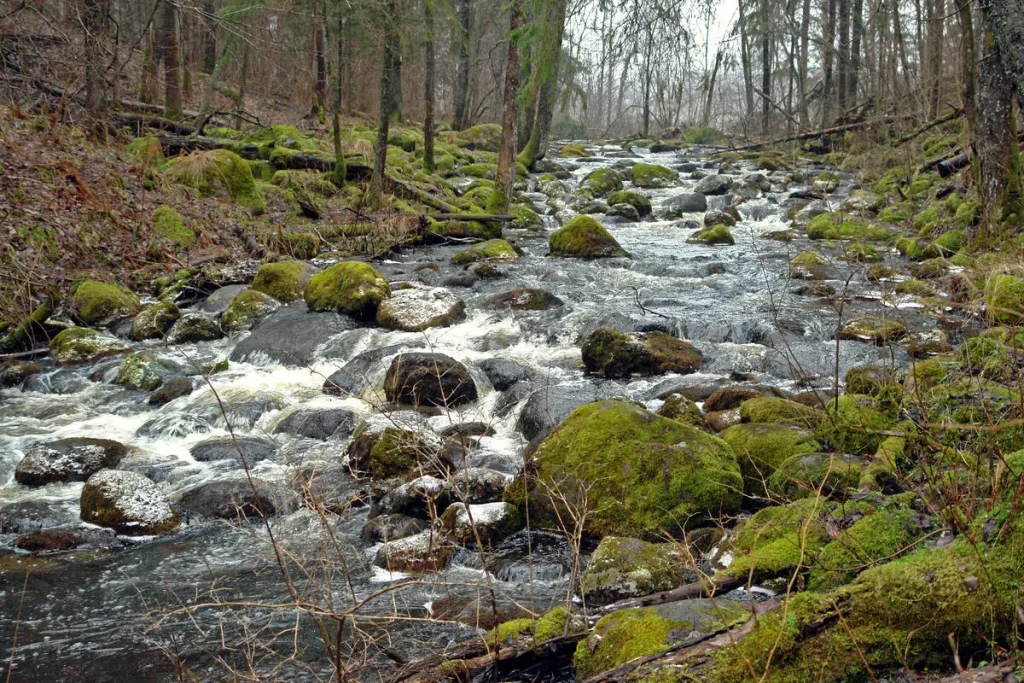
(217,170)
(773,410)
(967,214)
(617,354)
(525,218)
(488,171)
(154,321)
(463,229)
(584,237)
(642,473)
(762,448)
(128,502)
(946,244)
(396,453)
(169,224)
(246,309)
(638,201)
(485,137)
(873,380)
(573,150)
(97,304)
(882,473)
(351,287)
(808,265)
(298,245)
(777,540)
(842,226)
(408,139)
(681,409)
(491,250)
(146,153)
(1004,299)
(803,476)
(143,372)
(552,624)
(716,234)
(82,345)
(602,182)
(283,280)
(853,425)
(918,288)
(653,175)
(862,253)
(629,567)
(872,329)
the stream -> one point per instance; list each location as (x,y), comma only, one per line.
(113,614)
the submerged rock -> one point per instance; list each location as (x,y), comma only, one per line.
(173,388)
(618,354)
(290,336)
(74,459)
(65,539)
(504,373)
(23,517)
(127,502)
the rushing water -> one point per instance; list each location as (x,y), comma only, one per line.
(82,616)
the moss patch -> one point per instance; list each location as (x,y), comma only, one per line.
(283,280)
(584,237)
(100,303)
(350,287)
(169,224)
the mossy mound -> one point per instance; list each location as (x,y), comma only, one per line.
(1004,299)
(154,321)
(584,237)
(283,280)
(803,476)
(872,329)
(553,624)
(852,425)
(777,540)
(491,250)
(246,309)
(639,202)
(573,150)
(653,175)
(82,345)
(350,287)
(143,372)
(96,303)
(716,234)
(642,473)
(480,170)
(628,567)
(862,253)
(618,354)
(298,245)
(601,182)
(525,218)
(484,137)
(681,409)
(772,410)
(842,226)
(462,229)
(762,448)
(214,171)
(169,224)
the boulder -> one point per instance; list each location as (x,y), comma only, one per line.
(429,379)
(65,539)
(601,182)
(714,184)
(420,554)
(81,345)
(221,298)
(525,300)
(687,202)
(624,211)
(638,201)
(98,304)
(235,497)
(33,515)
(254,448)
(422,497)
(623,568)
(144,372)
(127,502)
(318,423)
(350,287)
(74,459)
(619,354)
(415,309)
(194,327)
(504,373)
(804,475)
(154,321)
(872,329)
(386,528)
(584,237)
(762,448)
(392,444)
(772,410)
(487,523)
(291,336)
(172,388)
(653,175)
(246,310)
(491,250)
(283,280)
(716,234)
(681,409)
(545,408)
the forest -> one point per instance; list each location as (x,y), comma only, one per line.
(607,341)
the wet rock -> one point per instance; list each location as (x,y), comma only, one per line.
(353,288)
(465,279)
(15,373)
(713,185)
(220,299)
(486,271)
(418,308)
(246,310)
(422,497)
(81,345)
(639,202)
(525,300)
(419,554)
(233,498)
(617,354)
(547,407)
(626,212)
(320,424)
(21,518)
(687,202)
(628,567)
(504,373)
(352,378)
(144,372)
(602,182)
(652,175)
(927,343)
(154,321)
(173,388)
(392,445)
(731,397)
(253,448)
(716,217)
(386,528)
(192,328)
(721,420)
(803,216)
(490,523)
(491,250)
(45,541)
(810,266)
(479,484)
(127,502)
(330,485)
(74,459)
(481,612)
(716,234)
(465,430)
(291,336)
(872,329)
(696,387)
(584,237)
(429,379)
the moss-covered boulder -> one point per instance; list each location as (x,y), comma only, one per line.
(283,280)
(853,425)
(96,304)
(619,354)
(127,502)
(491,250)
(716,234)
(772,410)
(1004,299)
(351,287)
(584,237)
(144,371)
(842,226)
(808,265)
(639,202)
(777,540)
(636,473)
(872,329)
(485,137)
(762,448)
(629,567)
(247,309)
(601,182)
(154,321)
(552,624)
(194,327)
(386,447)
(82,345)
(215,171)
(803,476)
(681,409)
(653,175)
(169,224)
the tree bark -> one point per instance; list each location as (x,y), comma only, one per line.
(320,62)
(843,66)
(706,117)
(748,75)
(766,67)
(857,29)
(170,55)
(504,181)
(147,81)
(339,152)
(209,38)
(1005,20)
(95,23)
(397,99)
(828,46)
(934,51)
(648,76)
(968,69)
(805,39)
(465,19)
(243,77)
(384,118)
(428,88)
(547,75)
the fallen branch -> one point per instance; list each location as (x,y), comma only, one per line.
(139,121)
(956,113)
(482,217)
(697,589)
(517,656)
(820,133)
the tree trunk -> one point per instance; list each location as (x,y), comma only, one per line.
(428,88)
(857,29)
(211,86)
(805,39)
(748,75)
(397,99)
(648,75)
(968,59)
(170,54)
(95,22)
(209,38)
(505,179)
(706,118)
(462,75)
(934,50)
(339,152)
(828,47)
(547,74)
(147,81)
(766,67)
(1005,20)
(390,38)
(243,77)
(320,63)
(843,66)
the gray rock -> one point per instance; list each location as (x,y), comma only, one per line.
(66,539)
(26,516)
(547,407)
(714,184)
(231,498)
(429,379)
(291,336)
(358,373)
(392,527)
(317,423)
(74,459)
(687,202)
(253,448)
(173,388)
(127,502)
(504,373)
(194,327)
(219,300)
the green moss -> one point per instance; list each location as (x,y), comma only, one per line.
(154,321)
(967,214)
(803,476)
(761,448)
(652,175)
(299,245)
(395,453)
(1004,299)
(584,237)
(638,201)
(306,180)
(488,171)
(491,250)
(882,473)
(898,213)
(862,253)
(169,224)
(525,217)
(217,170)
(716,234)
(617,354)
(100,303)
(283,280)
(841,226)
(146,153)
(553,624)
(915,288)
(853,425)
(141,371)
(485,136)
(82,345)
(681,409)
(772,410)
(628,567)
(573,149)
(878,536)
(872,329)
(642,473)
(350,287)
(910,248)
(245,310)
(602,182)
(776,541)
(625,635)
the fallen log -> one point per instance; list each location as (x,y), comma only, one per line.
(412,193)
(517,656)
(33,328)
(139,121)
(820,133)
(956,113)
(697,589)
(482,217)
